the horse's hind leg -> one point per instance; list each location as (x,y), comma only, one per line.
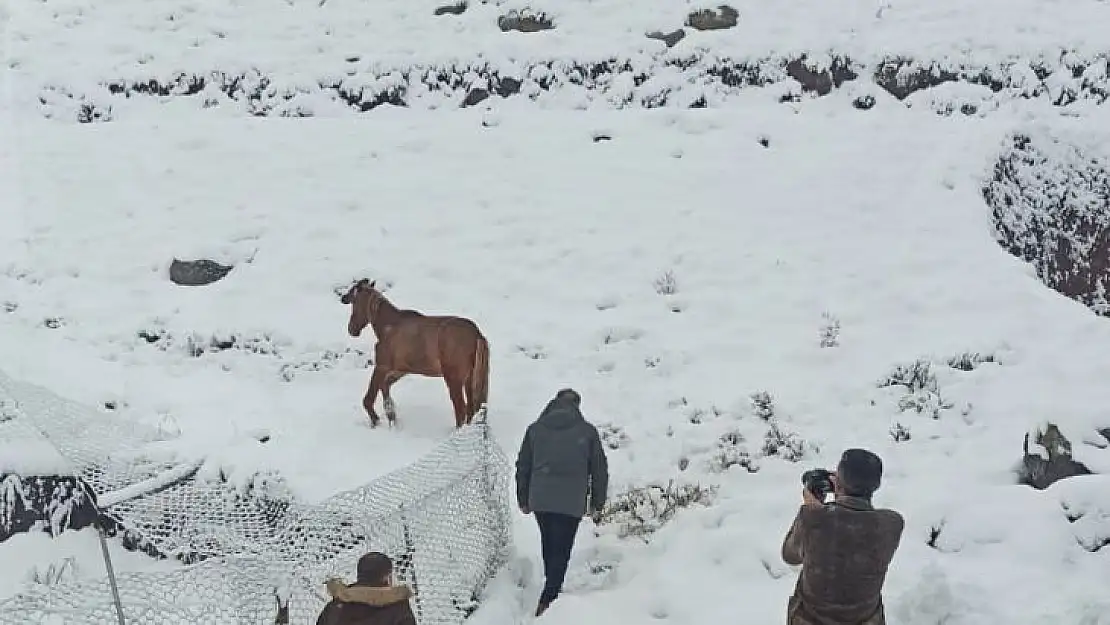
(387,399)
(455,388)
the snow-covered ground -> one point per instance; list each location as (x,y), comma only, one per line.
(37,559)
(692,259)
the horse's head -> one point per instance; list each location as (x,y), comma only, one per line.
(362,297)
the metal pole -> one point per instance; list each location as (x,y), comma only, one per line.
(111,573)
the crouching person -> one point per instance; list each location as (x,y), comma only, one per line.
(844,548)
(371,600)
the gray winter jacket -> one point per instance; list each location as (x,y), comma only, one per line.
(561,463)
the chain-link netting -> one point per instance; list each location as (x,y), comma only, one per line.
(443,519)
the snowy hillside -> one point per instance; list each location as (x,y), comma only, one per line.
(672,265)
(95,61)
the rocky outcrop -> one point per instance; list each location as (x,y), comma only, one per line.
(708,19)
(669,39)
(1050,203)
(197,272)
(619,83)
(1051,460)
(525,22)
(49,503)
(451,9)
(55,504)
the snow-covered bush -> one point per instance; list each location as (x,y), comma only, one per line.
(731,451)
(612,436)
(642,511)
(327,359)
(782,444)
(763,405)
(922,390)
(197,345)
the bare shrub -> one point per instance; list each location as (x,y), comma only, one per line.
(54,573)
(830,331)
(666,283)
(969,361)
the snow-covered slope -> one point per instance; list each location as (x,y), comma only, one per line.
(96,61)
(668,264)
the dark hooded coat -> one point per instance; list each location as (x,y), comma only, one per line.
(561,466)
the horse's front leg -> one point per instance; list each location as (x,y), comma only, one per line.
(387,398)
(376,380)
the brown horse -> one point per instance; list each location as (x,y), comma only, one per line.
(447,347)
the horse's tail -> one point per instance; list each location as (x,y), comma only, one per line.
(479,376)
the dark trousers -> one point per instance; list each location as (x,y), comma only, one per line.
(557,532)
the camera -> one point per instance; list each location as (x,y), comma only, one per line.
(818,482)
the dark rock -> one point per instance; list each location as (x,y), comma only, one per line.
(44,503)
(1105,432)
(1041,473)
(1050,204)
(451,9)
(525,22)
(708,19)
(765,142)
(900,77)
(821,83)
(197,272)
(475,96)
(864,102)
(670,38)
(599,137)
(507,86)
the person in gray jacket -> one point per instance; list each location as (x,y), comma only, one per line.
(561,475)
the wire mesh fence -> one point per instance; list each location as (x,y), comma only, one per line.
(444,520)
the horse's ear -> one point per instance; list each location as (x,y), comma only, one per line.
(372,284)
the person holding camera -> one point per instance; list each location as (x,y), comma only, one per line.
(844,547)
(561,474)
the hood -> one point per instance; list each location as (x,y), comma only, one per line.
(560,414)
(377,596)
